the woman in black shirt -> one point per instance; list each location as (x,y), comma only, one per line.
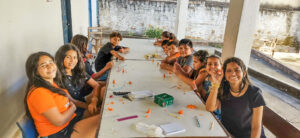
(84,90)
(241,103)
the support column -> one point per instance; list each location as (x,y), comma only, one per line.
(240,28)
(181,18)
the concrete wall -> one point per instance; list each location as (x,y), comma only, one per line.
(206,18)
(26,27)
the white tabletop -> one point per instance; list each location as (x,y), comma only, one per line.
(146,75)
(140,47)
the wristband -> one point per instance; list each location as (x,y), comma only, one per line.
(215,85)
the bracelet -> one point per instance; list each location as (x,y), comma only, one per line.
(215,85)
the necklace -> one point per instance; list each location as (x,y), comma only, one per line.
(238,91)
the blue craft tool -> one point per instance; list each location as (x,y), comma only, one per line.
(197,120)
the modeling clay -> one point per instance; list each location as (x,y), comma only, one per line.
(114,82)
(152,60)
(123,71)
(164,75)
(147,116)
(111,96)
(190,106)
(169,72)
(149,111)
(112,103)
(110,109)
(180,112)
(129,82)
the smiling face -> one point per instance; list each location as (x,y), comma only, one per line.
(172,49)
(213,64)
(197,63)
(46,68)
(165,48)
(71,60)
(234,73)
(185,50)
(115,40)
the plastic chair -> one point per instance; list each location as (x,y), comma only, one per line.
(27,127)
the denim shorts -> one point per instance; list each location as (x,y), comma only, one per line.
(67,131)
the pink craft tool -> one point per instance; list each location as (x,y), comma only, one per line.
(126,118)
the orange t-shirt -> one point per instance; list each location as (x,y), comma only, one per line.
(40,100)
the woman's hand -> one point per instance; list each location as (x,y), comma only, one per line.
(216,75)
(109,65)
(92,107)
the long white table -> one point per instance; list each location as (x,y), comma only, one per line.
(140,47)
(146,75)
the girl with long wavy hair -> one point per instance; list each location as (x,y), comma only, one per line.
(83,89)
(48,104)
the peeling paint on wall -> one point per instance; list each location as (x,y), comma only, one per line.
(206,19)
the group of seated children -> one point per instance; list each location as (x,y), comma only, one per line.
(226,89)
(63,94)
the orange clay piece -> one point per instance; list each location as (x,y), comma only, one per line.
(201,114)
(123,71)
(112,103)
(164,75)
(110,109)
(147,116)
(180,112)
(121,99)
(123,102)
(114,82)
(190,106)
(169,72)
(149,111)
(129,82)
(106,104)
(152,60)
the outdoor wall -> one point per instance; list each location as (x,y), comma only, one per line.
(206,18)
(26,27)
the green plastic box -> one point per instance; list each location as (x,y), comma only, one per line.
(163,99)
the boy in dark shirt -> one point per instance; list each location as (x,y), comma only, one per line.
(108,50)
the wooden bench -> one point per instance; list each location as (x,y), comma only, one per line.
(279,126)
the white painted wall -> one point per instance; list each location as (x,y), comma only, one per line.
(292,3)
(27,27)
(80,16)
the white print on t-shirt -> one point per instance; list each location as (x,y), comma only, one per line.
(67,104)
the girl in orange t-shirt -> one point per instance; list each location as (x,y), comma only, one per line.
(48,104)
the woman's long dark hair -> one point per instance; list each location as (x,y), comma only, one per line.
(36,81)
(80,42)
(224,89)
(78,73)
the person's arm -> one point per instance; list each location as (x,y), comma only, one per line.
(124,49)
(171,59)
(185,79)
(107,67)
(187,69)
(256,122)
(114,53)
(201,77)
(178,68)
(212,102)
(57,118)
(92,107)
(166,67)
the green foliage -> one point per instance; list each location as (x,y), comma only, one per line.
(217,45)
(153,32)
(288,41)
